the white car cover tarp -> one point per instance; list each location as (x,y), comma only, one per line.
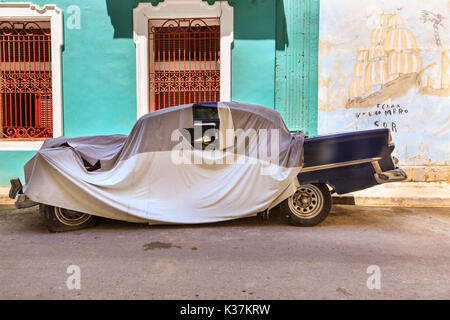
(155,174)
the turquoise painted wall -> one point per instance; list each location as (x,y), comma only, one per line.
(99,67)
(297,39)
(11,165)
(253,53)
(99,70)
(99,82)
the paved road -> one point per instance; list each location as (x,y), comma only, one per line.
(242,259)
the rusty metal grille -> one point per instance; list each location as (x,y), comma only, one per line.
(184,61)
(25,80)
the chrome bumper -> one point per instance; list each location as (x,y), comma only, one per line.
(391,176)
(21,200)
(388,176)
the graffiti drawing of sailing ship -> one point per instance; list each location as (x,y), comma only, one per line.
(443,88)
(389,68)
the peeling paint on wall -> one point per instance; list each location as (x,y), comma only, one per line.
(386,64)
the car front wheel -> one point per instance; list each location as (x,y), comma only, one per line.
(60,219)
(308,206)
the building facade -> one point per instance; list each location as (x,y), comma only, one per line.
(93,67)
(386,64)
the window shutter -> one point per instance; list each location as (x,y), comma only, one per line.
(296,65)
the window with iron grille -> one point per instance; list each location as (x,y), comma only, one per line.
(184,61)
(25,80)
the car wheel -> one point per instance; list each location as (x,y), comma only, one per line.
(60,219)
(308,206)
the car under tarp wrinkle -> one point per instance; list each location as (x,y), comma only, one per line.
(156,175)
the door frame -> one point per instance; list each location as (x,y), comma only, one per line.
(29,11)
(180,9)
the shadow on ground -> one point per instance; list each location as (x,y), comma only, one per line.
(28,220)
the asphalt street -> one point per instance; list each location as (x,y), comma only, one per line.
(243,259)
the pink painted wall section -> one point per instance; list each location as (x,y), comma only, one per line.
(387,64)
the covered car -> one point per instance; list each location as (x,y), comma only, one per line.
(195,163)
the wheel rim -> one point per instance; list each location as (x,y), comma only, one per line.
(71,218)
(306,202)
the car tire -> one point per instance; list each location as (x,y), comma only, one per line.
(61,220)
(308,206)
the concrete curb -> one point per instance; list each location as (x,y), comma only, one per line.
(425,202)
(4,196)
(400,194)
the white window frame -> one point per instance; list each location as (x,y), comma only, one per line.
(180,9)
(29,11)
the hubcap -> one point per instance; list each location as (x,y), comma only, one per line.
(71,218)
(306,202)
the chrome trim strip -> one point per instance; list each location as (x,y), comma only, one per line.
(395,160)
(376,167)
(22,202)
(339,164)
(390,176)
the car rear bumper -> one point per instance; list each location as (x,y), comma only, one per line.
(391,176)
(394,175)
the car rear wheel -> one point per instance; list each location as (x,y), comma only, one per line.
(60,219)
(308,206)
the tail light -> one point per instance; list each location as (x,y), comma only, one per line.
(389,137)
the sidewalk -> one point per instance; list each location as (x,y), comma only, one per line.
(397,194)
(400,194)
(4,198)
